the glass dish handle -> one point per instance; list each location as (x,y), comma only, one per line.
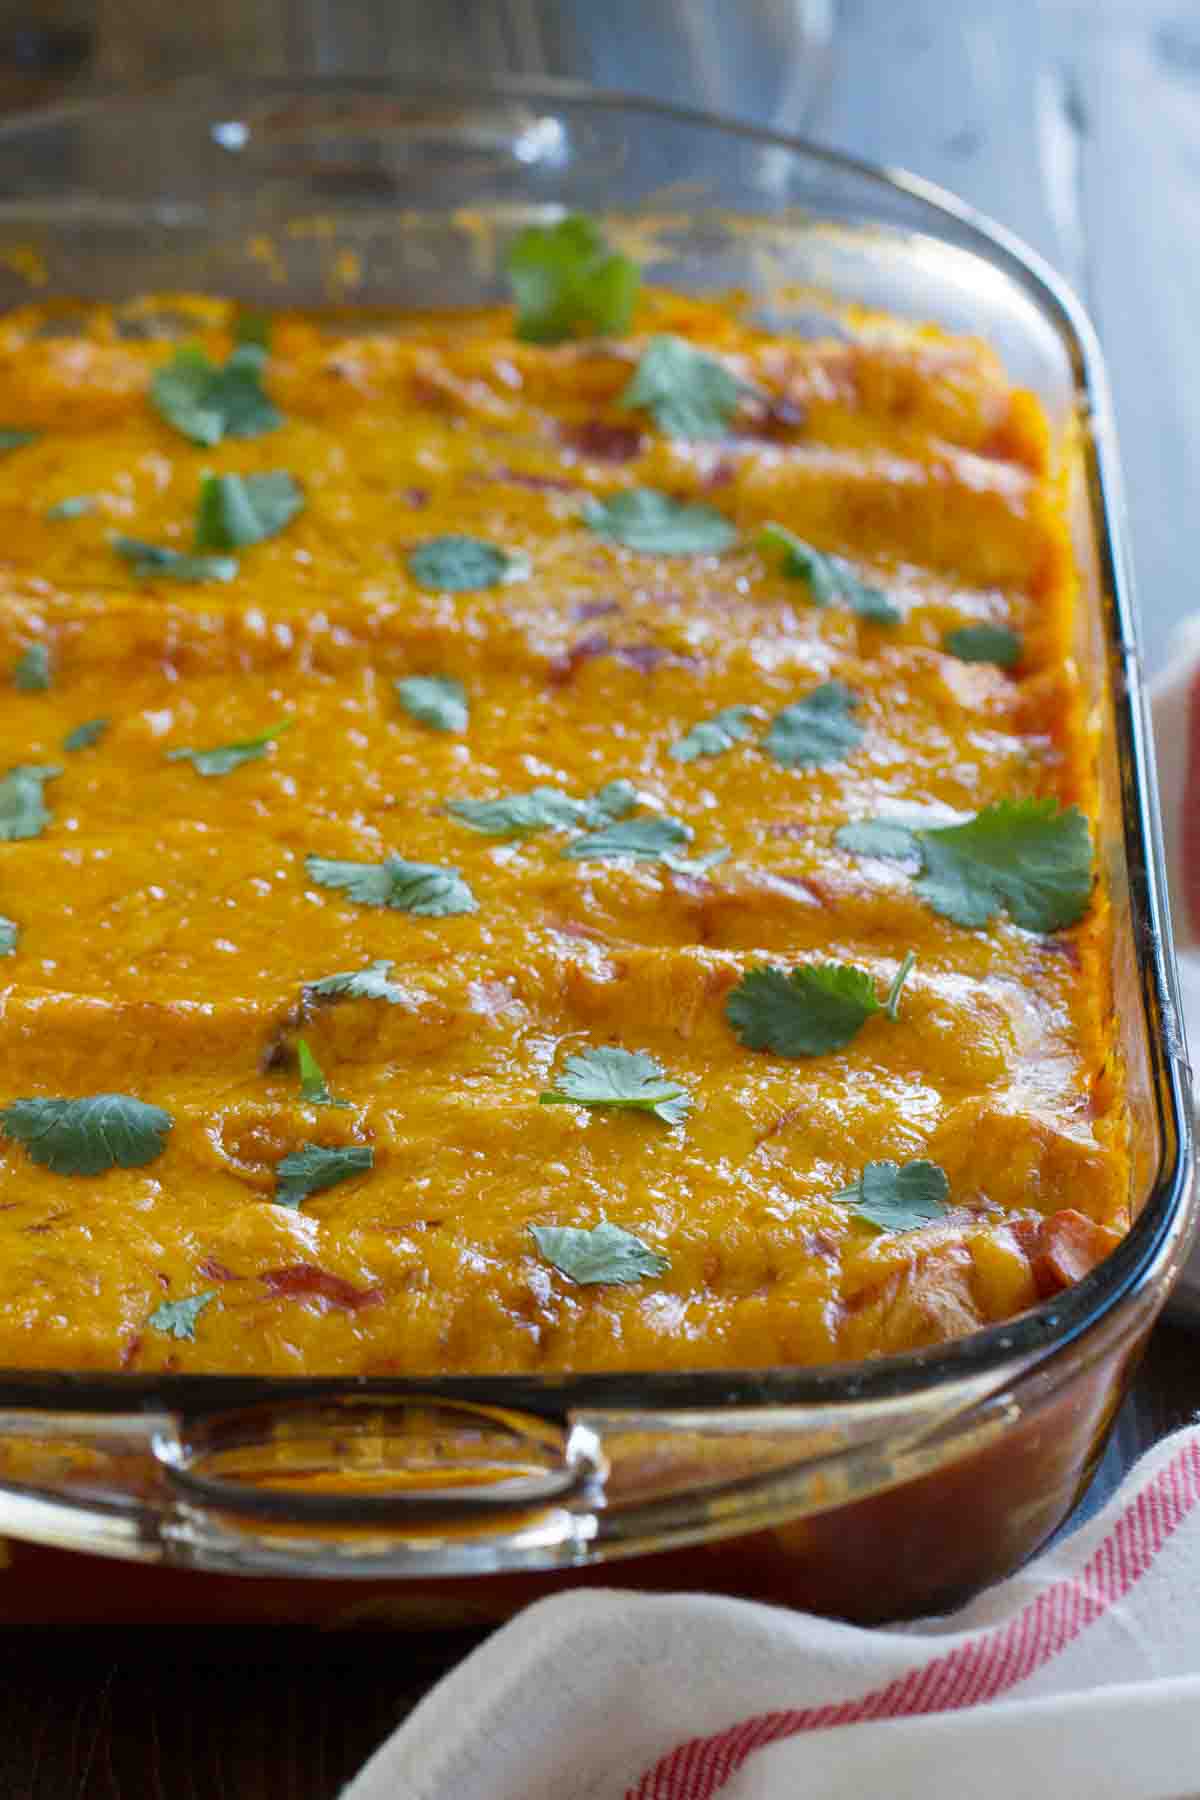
(348,1485)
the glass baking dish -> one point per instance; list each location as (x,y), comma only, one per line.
(877,1490)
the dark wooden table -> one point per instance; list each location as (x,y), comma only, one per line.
(1076,123)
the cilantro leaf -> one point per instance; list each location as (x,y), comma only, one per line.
(370,983)
(691,394)
(222,759)
(646,520)
(424,889)
(802,1012)
(713,736)
(461,565)
(518,815)
(1026,856)
(180,393)
(802,563)
(605,1253)
(235,510)
(807,1011)
(89,1135)
(625,1079)
(817,730)
(10,931)
(316,1167)
(899,1196)
(313,1087)
(1029,858)
(544,809)
(152,561)
(31,672)
(12,438)
(75,506)
(642,840)
(23,809)
(87,734)
(567,282)
(207,403)
(435,700)
(427,890)
(984,643)
(367,884)
(829,578)
(177,1318)
(880,837)
(614,800)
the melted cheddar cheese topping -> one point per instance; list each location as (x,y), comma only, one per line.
(168,921)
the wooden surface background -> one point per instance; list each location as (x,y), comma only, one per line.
(1074,122)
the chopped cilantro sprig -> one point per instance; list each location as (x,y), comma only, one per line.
(315,1167)
(438,701)
(817,730)
(626,1080)
(602,1254)
(75,506)
(712,737)
(568,282)
(177,1318)
(155,562)
(23,809)
(654,839)
(1029,858)
(85,735)
(89,1135)
(899,1196)
(223,759)
(689,393)
(643,519)
(464,565)
(31,671)
(830,579)
(236,510)
(984,644)
(426,890)
(370,983)
(544,809)
(809,1011)
(207,402)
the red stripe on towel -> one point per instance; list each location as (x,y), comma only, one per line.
(974,1672)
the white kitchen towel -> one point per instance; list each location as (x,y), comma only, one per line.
(1175,708)
(1079,1676)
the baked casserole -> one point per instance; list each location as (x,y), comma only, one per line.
(558,837)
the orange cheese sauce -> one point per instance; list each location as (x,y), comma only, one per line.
(167,923)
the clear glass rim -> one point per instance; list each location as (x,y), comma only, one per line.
(1164,1219)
